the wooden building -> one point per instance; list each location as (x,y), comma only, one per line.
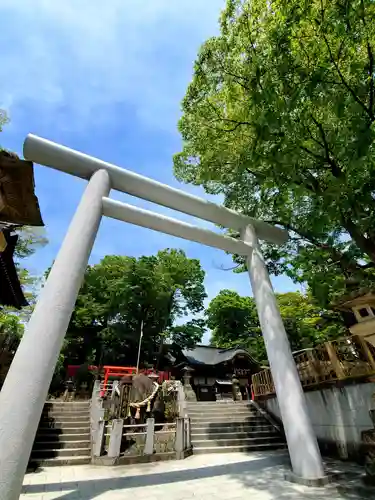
(211,370)
(358,312)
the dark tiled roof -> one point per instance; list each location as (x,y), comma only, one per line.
(207,355)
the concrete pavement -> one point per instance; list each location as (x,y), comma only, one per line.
(256,476)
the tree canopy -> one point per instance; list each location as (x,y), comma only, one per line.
(279,118)
(233,321)
(121,295)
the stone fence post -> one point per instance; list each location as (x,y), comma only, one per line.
(96,412)
(187,432)
(115,438)
(180,438)
(98,441)
(150,437)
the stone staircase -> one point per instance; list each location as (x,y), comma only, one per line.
(63,436)
(228,426)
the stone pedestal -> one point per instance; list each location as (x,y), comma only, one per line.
(189,392)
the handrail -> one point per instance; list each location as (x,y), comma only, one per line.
(346,358)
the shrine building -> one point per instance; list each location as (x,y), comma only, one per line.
(211,370)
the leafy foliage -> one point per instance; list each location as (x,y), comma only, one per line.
(3,120)
(30,240)
(10,325)
(233,321)
(121,295)
(279,118)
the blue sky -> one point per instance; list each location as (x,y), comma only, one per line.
(107,78)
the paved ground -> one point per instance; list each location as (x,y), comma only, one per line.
(258,476)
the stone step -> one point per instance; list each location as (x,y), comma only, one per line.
(68,406)
(221,402)
(58,431)
(59,461)
(65,418)
(227,420)
(223,413)
(228,402)
(233,435)
(227,441)
(240,448)
(61,444)
(50,435)
(70,413)
(230,423)
(237,427)
(60,452)
(218,407)
(58,424)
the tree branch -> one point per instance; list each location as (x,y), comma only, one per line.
(371,74)
(366,245)
(371,61)
(315,155)
(344,82)
(345,262)
(336,170)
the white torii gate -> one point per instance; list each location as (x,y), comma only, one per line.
(25,389)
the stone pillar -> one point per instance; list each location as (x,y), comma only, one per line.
(180,441)
(187,433)
(114,388)
(302,443)
(25,389)
(189,392)
(98,445)
(115,438)
(150,436)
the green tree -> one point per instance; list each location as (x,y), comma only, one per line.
(10,325)
(279,118)
(121,295)
(233,321)
(11,330)
(12,321)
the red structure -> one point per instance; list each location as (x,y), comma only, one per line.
(122,371)
(116,372)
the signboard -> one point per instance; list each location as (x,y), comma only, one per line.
(242,372)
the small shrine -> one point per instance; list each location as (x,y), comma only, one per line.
(358,312)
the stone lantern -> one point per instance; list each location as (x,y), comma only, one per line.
(237,396)
(189,392)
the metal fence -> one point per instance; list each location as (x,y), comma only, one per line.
(342,359)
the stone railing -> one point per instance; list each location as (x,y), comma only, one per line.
(116,443)
(343,359)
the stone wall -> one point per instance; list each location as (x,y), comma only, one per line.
(338,415)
